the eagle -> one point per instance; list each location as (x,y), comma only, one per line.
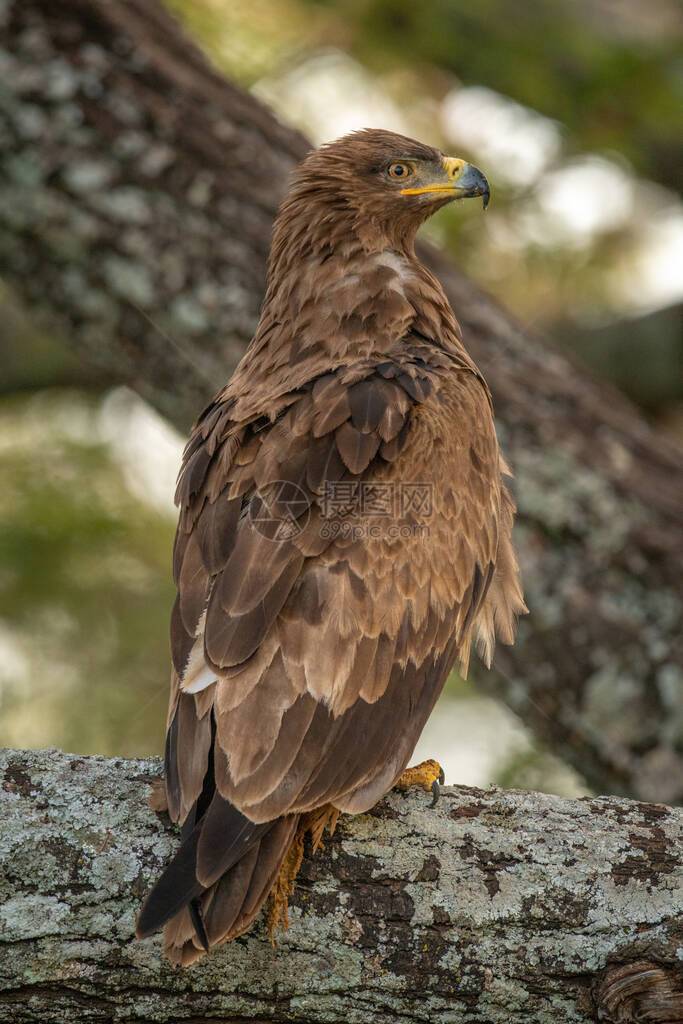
(343,540)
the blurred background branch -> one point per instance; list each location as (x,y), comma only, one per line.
(138,192)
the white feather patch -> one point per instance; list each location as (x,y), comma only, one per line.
(197,675)
(199,680)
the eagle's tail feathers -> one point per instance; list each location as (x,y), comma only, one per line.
(221,838)
(228,907)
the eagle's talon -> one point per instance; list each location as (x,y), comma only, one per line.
(428,776)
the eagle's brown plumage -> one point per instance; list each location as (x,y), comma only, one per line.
(307,657)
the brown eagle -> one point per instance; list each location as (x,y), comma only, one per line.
(344,536)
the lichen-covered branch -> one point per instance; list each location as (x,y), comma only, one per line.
(138,190)
(492,907)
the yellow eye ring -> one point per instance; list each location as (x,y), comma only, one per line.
(400,171)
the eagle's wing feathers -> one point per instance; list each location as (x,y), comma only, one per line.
(300,630)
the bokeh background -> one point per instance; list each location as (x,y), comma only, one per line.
(572,110)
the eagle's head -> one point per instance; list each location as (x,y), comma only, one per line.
(383,183)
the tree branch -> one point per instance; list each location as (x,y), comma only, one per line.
(139,190)
(510,907)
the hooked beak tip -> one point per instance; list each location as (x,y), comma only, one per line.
(473,183)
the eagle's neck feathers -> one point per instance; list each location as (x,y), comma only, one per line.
(339,292)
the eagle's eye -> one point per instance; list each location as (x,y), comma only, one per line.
(399,170)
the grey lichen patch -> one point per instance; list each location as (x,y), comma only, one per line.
(556,489)
(126,204)
(30,121)
(32,916)
(199,192)
(60,81)
(88,175)
(612,702)
(25,169)
(154,158)
(93,302)
(188,315)
(129,279)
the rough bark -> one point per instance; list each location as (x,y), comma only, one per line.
(138,192)
(492,907)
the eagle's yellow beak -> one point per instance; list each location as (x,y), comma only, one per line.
(459,179)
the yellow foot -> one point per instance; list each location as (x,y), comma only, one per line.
(284,885)
(313,822)
(427,775)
